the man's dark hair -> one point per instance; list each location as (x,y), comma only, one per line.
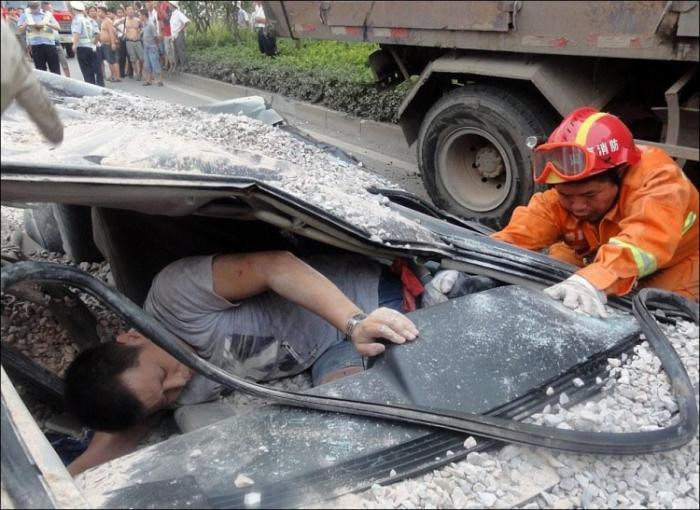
(95,393)
(102,8)
(144,12)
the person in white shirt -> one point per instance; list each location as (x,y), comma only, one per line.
(178,24)
(267,43)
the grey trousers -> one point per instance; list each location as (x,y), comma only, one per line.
(179,46)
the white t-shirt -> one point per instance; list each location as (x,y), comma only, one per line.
(259,13)
(177,22)
(153,17)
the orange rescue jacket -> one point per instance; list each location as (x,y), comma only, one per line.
(652,226)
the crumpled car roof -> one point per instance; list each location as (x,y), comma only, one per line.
(119,130)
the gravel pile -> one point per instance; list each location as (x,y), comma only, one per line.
(636,397)
(136,132)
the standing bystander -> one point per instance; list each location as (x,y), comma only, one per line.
(168,52)
(39,26)
(108,38)
(99,69)
(267,42)
(178,24)
(151,60)
(13,15)
(62,57)
(119,25)
(134,48)
(83,42)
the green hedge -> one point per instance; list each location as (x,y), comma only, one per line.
(333,74)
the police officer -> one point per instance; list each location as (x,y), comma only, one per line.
(39,26)
(18,82)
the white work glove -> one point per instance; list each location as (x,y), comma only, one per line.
(436,290)
(18,82)
(578,293)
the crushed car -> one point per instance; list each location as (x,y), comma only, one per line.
(485,361)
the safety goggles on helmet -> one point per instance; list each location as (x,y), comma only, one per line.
(554,163)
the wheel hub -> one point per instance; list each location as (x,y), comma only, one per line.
(488,162)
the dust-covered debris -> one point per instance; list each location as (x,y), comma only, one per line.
(120,130)
(243,481)
(528,477)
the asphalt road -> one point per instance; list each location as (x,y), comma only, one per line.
(176,91)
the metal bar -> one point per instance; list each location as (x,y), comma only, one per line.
(673,126)
(677,151)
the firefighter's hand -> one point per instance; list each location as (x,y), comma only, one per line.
(578,293)
(18,82)
(383,323)
(436,290)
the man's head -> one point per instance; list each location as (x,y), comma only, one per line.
(92,12)
(590,199)
(129,11)
(120,12)
(117,384)
(143,16)
(586,143)
(34,6)
(77,7)
(148,5)
(101,12)
(47,6)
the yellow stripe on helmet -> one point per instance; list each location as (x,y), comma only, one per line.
(645,261)
(582,134)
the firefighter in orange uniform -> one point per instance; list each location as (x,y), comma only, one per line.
(625,214)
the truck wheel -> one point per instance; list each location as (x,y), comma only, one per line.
(63,229)
(75,224)
(40,225)
(472,154)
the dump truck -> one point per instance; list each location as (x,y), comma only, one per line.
(486,75)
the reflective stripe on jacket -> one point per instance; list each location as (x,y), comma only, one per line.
(84,28)
(653,226)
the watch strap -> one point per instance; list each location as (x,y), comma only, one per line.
(352,324)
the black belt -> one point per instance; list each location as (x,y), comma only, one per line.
(134,40)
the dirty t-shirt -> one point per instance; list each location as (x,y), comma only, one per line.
(260,338)
(149,35)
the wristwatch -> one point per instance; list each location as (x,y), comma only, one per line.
(352,324)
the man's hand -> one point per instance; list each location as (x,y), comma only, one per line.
(383,323)
(577,292)
(19,82)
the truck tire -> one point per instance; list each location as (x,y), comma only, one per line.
(472,154)
(75,224)
(40,225)
(63,229)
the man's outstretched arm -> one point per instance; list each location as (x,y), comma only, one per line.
(240,276)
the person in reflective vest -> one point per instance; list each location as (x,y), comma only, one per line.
(39,25)
(625,214)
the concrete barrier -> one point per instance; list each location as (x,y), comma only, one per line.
(381,137)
